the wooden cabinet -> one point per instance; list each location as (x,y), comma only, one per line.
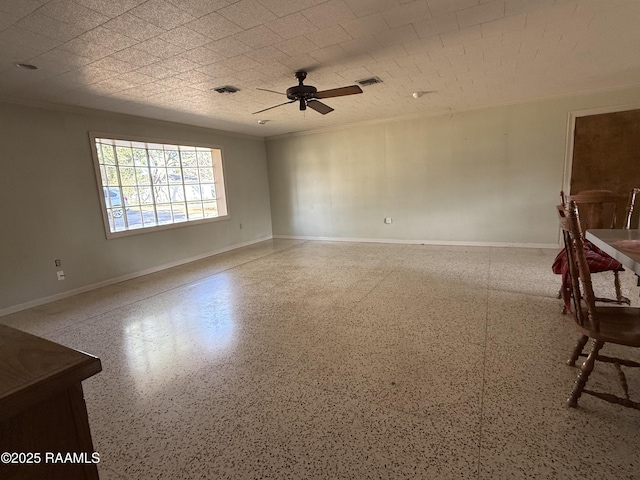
(42,409)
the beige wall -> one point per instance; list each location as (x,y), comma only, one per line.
(49,203)
(487,176)
(490,176)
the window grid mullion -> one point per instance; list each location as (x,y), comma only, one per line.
(122,197)
(184,188)
(153,193)
(170,187)
(137,184)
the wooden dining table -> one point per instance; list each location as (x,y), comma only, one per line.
(44,426)
(623,245)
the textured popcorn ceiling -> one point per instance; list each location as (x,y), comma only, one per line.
(162,58)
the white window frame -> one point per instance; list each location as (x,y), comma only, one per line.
(219,183)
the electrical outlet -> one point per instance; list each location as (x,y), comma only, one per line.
(60,274)
(388,220)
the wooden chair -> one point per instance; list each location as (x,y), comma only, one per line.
(613,324)
(599,209)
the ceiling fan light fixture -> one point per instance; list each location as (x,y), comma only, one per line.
(420,93)
(26,66)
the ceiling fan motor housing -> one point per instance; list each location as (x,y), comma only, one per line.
(301,91)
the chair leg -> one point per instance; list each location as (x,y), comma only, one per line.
(585,371)
(582,341)
(564,305)
(619,297)
(616,282)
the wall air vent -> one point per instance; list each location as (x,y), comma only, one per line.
(365,82)
(226,89)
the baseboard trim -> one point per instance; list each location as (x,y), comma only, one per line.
(70,293)
(421,242)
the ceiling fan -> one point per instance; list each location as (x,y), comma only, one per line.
(307,95)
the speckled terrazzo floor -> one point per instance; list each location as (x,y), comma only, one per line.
(331,360)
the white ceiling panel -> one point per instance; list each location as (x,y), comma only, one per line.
(20,8)
(441,7)
(161,14)
(363,8)
(365,26)
(328,36)
(136,57)
(259,37)
(446,22)
(282,8)
(214,26)
(397,36)
(111,8)
(133,27)
(113,65)
(60,61)
(247,13)
(6,20)
(229,47)
(49,27)
(296,46)
(329,13)
(198,7)
(406,14)
(185,37)
(202,56)
(35,41)
(73,13)
(162,58)
(291,26)
(479,14)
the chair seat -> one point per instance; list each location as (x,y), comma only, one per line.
(597,260)
(619,325)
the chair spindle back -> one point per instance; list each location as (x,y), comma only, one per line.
(582,288)
(598,208)
(630,206)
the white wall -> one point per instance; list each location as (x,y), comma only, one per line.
(49,203)
(490,176)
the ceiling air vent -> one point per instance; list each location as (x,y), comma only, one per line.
(226,89)
(365,82)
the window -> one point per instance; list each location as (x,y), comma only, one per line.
(145,184)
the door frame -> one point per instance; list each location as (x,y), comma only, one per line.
(571,130)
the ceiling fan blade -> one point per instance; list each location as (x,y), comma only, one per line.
(272,91)
(319,107)
(275,106)
(338,92)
